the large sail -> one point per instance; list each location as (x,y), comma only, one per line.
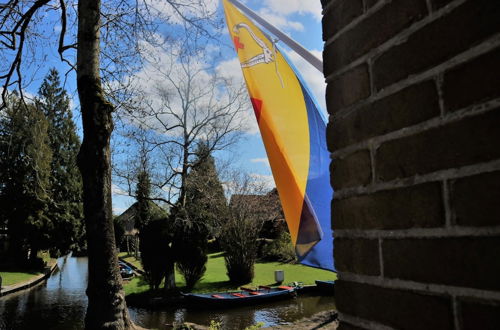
(294,136)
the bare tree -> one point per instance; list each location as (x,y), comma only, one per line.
(249,208)
(21,29)
(191,103)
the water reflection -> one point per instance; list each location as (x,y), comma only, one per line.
(60,303)
(271,314)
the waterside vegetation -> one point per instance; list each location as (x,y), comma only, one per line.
(216,278)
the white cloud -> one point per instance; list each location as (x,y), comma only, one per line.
(164,77)
(193,9)
(117,190)
(118,210)
(313,78)
(280,21)
(266,181)
(264,161)
(289,7)
(231,69)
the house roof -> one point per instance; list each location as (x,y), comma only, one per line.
(128,217)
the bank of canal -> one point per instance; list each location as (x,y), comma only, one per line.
(60,303)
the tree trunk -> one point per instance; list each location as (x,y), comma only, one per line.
(106,299)
(170,277)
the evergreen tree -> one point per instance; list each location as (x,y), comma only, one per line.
(25,161)
(205,203)
(143,192)
(155,234)
(205,199)
(66,208)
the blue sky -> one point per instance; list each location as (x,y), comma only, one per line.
(300,19)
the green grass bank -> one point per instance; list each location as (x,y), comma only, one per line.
(16,276)
(215,278)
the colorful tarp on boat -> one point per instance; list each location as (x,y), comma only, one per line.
(293,132)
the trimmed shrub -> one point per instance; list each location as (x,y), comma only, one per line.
(280,249)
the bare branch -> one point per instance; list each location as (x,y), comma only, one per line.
(17,31)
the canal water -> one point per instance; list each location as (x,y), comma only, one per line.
(60,303)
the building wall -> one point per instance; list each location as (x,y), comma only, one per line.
(414,134)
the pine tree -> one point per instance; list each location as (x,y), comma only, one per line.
(66,208)
(25,161)
(205,199)
(143,192)
(155,234)
(205,203)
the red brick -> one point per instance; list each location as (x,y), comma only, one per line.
(476,200)
(372,32)
(473,82)
(468,141)
(418,206)
(350,87)
(351,170)
(476,314)
(408,107)
(340,14)
(471,262)
(464,27)
(358,256)
(395,308)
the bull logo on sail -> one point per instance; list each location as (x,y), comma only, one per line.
(266,57)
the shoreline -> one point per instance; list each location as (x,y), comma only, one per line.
(51,267)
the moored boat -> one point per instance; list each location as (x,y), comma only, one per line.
(326,286)
(244,297)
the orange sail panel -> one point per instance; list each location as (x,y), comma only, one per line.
(294,137)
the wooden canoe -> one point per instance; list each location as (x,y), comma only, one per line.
(243,297)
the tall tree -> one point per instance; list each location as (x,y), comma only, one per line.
(25,162)
(154,232)
(205,204)
(205,199)
(106,306)
(192,102)
(143,196)
(121,31)
(66,209)
(156,256)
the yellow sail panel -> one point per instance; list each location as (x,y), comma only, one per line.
(280,109)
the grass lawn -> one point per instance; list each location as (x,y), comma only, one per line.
(9,278)
(130,259)
(15,276)
(215,278)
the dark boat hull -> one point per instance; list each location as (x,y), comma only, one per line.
(325,286)
(240,298)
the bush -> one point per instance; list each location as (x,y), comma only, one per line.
(280,249)
(191,250)
(239,241)
(155,251)
(240,269)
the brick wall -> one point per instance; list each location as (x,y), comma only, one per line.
(414,133)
